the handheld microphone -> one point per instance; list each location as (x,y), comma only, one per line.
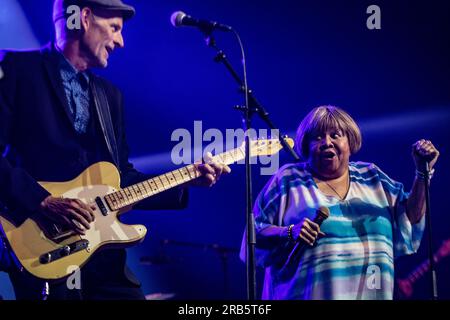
(321,214)
(180,19)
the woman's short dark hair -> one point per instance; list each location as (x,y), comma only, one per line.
(325,118)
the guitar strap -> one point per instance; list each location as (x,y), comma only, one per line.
(104,116)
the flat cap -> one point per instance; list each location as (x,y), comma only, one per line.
(60,7)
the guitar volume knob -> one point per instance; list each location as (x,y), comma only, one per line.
(65,251)
(46,258)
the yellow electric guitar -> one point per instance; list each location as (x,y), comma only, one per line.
(50,253)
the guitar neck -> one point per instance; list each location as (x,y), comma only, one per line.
(423,268)
(131,195)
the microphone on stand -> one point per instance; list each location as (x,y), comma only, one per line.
(181,19)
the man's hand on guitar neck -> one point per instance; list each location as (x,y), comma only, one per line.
(68,213)
(210,170)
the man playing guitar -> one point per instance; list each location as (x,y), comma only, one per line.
(57,119)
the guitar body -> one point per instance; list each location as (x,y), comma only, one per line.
(31,241)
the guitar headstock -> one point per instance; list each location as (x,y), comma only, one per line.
(267,147)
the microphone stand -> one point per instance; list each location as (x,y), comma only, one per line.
(252,106)
(433,281)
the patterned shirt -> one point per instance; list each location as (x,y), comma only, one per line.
(364,233)
(76,87)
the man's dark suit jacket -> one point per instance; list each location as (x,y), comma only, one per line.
(36,128)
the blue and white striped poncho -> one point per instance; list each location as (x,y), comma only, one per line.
(364,233)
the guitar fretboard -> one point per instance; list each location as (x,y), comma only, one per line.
(145,189)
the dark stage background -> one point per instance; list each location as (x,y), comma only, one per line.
(395,82)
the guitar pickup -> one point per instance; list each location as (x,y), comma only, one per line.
(63,251)
(101,206)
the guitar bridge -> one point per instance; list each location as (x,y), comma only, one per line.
(63,251)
